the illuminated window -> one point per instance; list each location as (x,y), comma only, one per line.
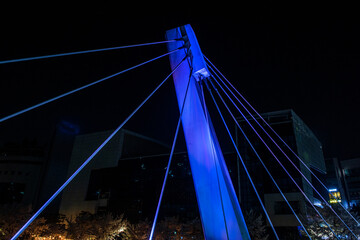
(334,196)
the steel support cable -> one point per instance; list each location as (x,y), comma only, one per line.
(276,158)
(278,136)
(258,156)
(169,162)
(242,161)
(83,52)
(91,157)
(83,87)
(287,157)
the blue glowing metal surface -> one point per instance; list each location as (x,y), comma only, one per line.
(219,208)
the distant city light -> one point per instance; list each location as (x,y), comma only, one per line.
(335,201)
(334,196)
(318,204)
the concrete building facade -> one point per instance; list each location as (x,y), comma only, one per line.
(77,196)
(351,174)
(303,142)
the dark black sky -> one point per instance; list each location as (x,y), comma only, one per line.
(303,57)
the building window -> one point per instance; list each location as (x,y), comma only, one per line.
(334,196)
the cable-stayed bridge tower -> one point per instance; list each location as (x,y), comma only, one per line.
(220,212)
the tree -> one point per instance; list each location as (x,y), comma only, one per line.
(256,225)
(192,229)
(170,228)
(96,226)
(173,229)
(14,216)
(317,228)
(92,226)
(108,227)
(56,226)
(80,227)
(138,231)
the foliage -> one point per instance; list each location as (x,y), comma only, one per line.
(139,231)
(169,228)
(317,229)
(13,217)
(172,228)
(256,225)
(56,226)
(92,226)
(96,226)
(108,227)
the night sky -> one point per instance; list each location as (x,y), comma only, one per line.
(302,57)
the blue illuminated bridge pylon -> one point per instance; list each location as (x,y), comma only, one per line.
(219,208)
(220,212)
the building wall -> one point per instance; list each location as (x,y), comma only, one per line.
(308,146)
(309,149)
(334,179)
(93,190)
(74,196)
(19,178)
(276,206)
(351,172)
(56,167)
(303,142)
(133,187)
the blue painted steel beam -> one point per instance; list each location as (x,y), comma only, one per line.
(219,208)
